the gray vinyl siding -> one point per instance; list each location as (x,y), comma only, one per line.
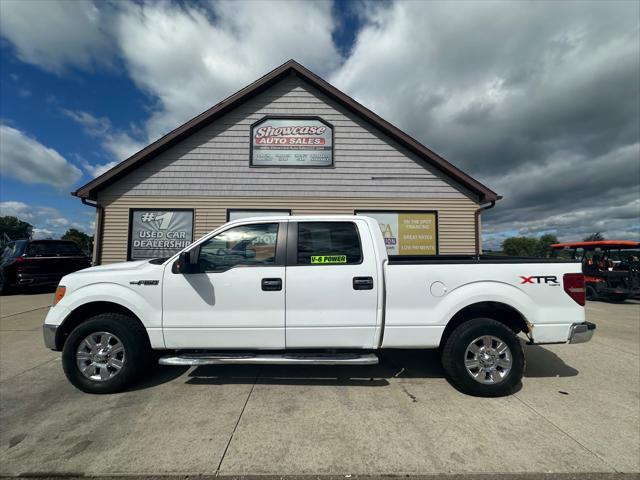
(214,161)
(456,222)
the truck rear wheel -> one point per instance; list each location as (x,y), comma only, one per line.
(483,357)
(106,353)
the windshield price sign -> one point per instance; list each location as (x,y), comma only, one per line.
(159,233)
(292,142)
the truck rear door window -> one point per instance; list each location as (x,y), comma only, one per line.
(328,243)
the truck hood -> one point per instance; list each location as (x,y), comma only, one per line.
(134,265)
(123,273)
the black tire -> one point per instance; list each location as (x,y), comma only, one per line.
(618,299)
(4,286)
(455,351)
(137,352)
(591,293)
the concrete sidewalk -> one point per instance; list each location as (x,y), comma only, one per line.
(578,411)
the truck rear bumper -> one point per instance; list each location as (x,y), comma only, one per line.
(581,332)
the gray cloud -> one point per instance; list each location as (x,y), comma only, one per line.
(539,100)
(117,143)
(29,161)
(48,222)
(57,35)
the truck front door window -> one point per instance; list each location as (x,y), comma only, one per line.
(246,245)
(328,243)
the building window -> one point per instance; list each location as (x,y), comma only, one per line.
(237,214)
(322,243)
(158,232)
(408,232)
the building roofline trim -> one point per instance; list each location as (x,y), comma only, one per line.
(90,189)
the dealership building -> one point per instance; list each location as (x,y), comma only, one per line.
(289,143)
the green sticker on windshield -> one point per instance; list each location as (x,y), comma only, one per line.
(328,259)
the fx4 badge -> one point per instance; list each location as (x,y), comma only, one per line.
(144,282)
(546,279)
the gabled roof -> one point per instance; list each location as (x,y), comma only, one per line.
(123,168)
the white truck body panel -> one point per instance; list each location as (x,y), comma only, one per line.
(409,305)
(323,309)
(416,317)
(226,309)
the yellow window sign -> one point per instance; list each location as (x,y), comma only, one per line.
(328,259)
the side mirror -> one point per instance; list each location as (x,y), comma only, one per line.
(184,264)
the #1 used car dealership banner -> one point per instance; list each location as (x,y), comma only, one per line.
(291,142)
(407,233)
(159,233)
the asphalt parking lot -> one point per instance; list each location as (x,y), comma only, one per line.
(578,411)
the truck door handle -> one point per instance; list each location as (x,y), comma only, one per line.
(271,284)
(363,283)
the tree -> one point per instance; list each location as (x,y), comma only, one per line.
(529,246)
(594,237)
(14,228)
(84,241)
(521,246)
(545,243)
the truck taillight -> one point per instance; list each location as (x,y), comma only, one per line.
(574,286)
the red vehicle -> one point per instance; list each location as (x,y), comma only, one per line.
(611,268)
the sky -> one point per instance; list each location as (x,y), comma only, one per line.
(538,100)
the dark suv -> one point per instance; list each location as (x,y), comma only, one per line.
(31,263)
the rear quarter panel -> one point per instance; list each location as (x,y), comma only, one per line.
(422,298)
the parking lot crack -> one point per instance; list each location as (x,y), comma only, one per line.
(557,427)
(235,427)
(25,311)
(2,380)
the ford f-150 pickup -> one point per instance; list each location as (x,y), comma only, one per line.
(317,290)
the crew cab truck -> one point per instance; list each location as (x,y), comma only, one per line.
(317,290)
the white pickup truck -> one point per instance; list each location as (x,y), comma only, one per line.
(311,290)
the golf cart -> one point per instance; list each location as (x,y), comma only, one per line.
(611,267)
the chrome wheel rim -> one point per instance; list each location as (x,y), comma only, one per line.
(100,356)
(488,360)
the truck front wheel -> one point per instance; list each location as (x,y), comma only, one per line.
(483,357)
(106,353)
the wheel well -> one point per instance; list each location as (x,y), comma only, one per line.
(500,312)
(85,312)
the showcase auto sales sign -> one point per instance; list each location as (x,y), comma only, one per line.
(300,142)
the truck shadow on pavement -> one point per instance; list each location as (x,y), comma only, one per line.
(402,364)
(393,364)
(544,363)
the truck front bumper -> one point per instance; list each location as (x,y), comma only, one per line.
(49,333)
(581,332)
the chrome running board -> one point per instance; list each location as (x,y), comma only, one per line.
(195,359)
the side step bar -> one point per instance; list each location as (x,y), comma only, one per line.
(195,359)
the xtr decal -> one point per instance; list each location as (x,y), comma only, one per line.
(546,279)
